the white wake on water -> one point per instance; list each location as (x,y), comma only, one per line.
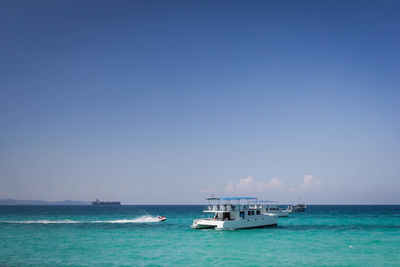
(142,219)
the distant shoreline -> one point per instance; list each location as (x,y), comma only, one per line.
(15,202)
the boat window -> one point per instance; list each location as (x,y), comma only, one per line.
(249,213)
(252,212)
(258,212)
(226,216)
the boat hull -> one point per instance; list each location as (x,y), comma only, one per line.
(279,214)
(246,223)
(202,226)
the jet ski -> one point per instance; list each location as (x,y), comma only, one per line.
(161,219)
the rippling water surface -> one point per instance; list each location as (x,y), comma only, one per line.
(132,236)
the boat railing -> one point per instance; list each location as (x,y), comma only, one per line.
(223,207)
(232,207)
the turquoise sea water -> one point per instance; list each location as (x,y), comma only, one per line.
(128,236)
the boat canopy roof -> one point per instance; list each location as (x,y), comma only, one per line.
(231,198)
(237,198)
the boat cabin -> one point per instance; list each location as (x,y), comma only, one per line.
(232,208)
(236,213)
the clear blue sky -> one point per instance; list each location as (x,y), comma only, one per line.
(171,101)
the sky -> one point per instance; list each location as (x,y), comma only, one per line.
(170,102)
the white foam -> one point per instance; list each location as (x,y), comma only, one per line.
(142,219)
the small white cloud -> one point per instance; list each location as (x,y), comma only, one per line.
(310,182)
(273,184)
(250,185)
(230,187)
(246,184)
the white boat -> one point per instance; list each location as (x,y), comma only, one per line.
(272,207)
(161,219)
(227,215)
(296,208)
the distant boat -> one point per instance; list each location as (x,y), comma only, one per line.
(161,219)
(110,203)
(271,207)
(296,208)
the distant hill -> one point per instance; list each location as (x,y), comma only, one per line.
(11,201)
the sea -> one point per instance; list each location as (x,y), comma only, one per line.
(132,236)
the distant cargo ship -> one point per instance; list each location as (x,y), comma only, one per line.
(101,203)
